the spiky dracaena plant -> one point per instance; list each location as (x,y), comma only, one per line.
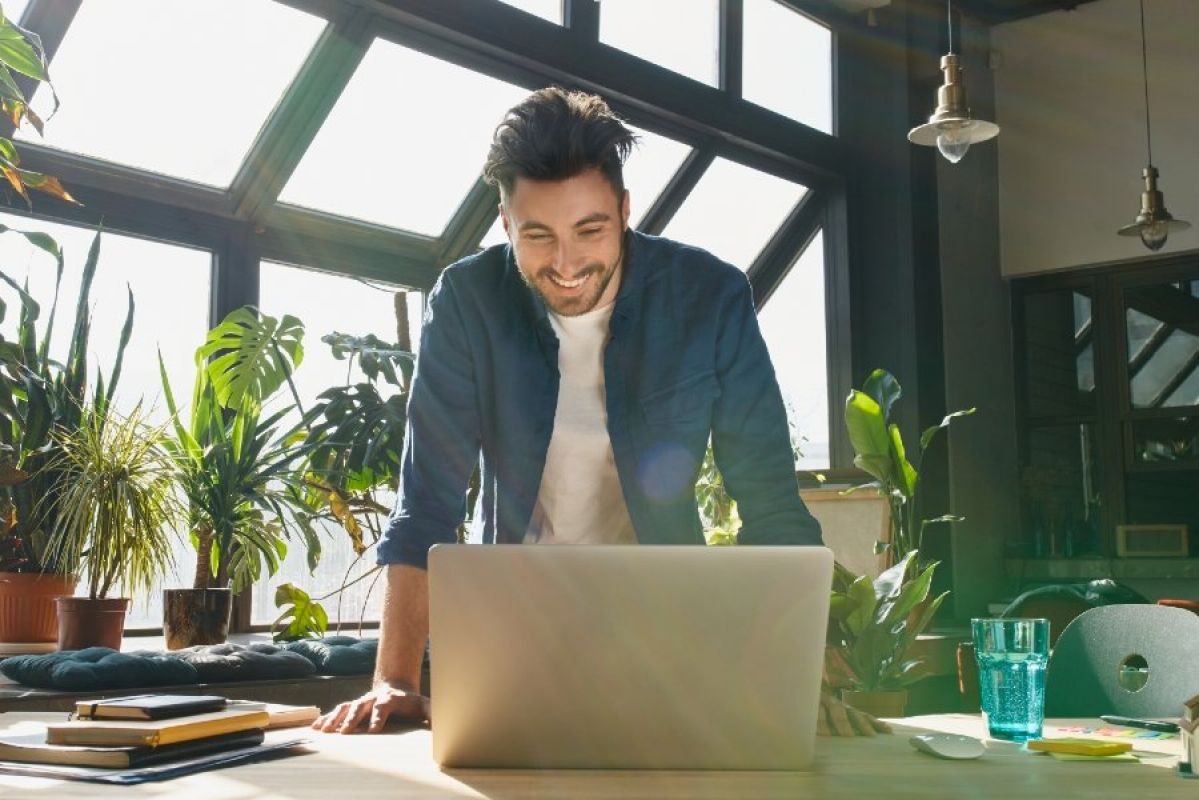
(119,507)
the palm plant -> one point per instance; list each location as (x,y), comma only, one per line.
(118,507)
(240,470)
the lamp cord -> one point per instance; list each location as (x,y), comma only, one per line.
(949,18)
(1145,73)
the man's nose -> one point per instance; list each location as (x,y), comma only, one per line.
(568,258)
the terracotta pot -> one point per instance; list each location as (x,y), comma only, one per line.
(84,622)
(195,616)
(27,612)
(877,704)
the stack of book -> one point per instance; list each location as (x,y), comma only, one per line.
(142,731)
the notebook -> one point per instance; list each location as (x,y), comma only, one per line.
(148,706)
(630,657)
(32,748)
(154,733)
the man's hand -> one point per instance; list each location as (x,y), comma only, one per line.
(837,719)
(374,708)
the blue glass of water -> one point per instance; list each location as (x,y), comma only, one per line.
(1012,655)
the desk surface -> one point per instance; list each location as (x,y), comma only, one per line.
(398,765)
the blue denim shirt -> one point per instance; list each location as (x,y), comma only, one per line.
(685,359)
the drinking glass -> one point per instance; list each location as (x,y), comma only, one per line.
(1012,655)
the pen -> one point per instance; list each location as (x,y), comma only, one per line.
(1148,724)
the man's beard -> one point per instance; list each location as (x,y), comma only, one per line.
(598,278)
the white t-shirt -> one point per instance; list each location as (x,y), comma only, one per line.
(580,500)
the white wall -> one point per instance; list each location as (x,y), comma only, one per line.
(1069,100)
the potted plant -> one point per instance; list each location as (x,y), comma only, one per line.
(117,514)
(356,435)
(239,471)
(880,451)
(872,627)
(41,396)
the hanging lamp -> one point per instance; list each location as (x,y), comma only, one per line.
(951,129)
(1154,223)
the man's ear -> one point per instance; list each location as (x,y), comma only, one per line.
(504,218)
(624,211)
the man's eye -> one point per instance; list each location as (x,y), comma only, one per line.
(591,231)
(537,237)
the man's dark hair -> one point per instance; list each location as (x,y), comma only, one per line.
(554,134)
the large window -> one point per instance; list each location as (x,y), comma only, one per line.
(794,326)
(224,142)
(180,88)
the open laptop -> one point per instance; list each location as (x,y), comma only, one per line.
(629,657)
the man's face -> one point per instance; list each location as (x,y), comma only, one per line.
(568,237)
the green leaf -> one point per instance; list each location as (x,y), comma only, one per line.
(861,592)
(304,617)
(251,357)
(866,426)
(905,475)
(884,388)
(929,434)
(19,54)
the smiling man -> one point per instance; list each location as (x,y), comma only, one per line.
(590,365)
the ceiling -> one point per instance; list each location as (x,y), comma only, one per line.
(993,12)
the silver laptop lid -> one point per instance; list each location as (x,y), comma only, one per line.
(659,657)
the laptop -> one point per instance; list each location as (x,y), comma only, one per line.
(626,657)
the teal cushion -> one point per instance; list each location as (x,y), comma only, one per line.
(338,655)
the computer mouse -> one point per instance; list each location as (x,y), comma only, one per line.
(948,745)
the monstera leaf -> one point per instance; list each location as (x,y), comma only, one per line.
(251,355)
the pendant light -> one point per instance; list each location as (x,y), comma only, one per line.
(1154,223)
(951,129)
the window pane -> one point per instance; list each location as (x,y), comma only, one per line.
(546,9)
(1163,344)
(1059,353)
(1060,489)
(170,287)
(793,325)
(653,162)
(180,88)
(787,63)
(359,309)
(13,9)
(402,147)
(734,211)
(681,35)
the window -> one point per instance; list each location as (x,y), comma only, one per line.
(1110,431)
(734,211)
(793,325)
(546,9)
(787,63)
(391,167)
(180,88)
(402,146)
(681,35)
(170,291)
(325,304)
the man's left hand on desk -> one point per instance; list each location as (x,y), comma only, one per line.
(837,719)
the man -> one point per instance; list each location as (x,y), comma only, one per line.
(590,364)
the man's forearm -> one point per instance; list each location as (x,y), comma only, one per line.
(405,627)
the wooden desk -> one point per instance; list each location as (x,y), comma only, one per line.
(398,765)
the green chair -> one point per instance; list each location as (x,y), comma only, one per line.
(1132,660)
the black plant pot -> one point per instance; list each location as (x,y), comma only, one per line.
(195,616)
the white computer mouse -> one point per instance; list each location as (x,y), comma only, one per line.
(948,745)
